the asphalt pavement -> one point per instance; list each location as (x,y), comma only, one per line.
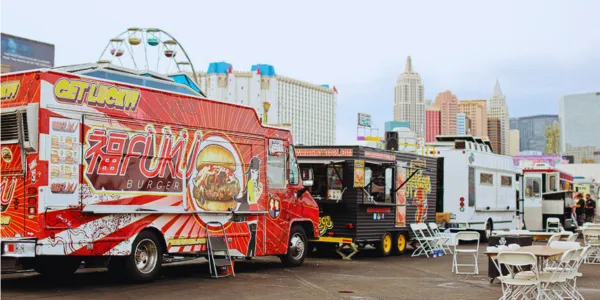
(365,277)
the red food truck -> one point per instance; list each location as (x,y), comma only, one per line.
(112,167)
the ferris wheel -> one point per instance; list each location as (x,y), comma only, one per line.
(149,49)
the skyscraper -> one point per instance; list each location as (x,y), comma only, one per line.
(579,120)
(308,109)
(495,133)
(498,109)
(432,124)
(532,131)
(476,110)
(409,102)
(448,105)
(461,124)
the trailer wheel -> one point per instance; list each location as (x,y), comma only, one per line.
(57,267)
(400,243)
(297,249)
(145,260)
(385,245)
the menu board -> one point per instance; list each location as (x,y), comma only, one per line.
(359,173)
(65,156)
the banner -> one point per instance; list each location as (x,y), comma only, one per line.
(359,173)
(400,198)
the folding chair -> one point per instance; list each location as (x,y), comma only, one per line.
(553,225)
(554,238)
(573,237)
(519,287)
(591,237)
(553,263)
(555,281)
(425,243)
(574,273)
(466,236)
(443,238)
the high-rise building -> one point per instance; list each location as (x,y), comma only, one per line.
(476,110)
(309,110)
(553,139)
(498,109)
(584,154)
(532,131)
(409,102)
(495,133)
(432,124)
(579,120)
(461,124)
(448,105)
(513,137)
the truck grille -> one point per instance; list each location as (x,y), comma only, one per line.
(9,126)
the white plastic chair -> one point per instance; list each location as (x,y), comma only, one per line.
(466,236)
(517,287)
(553,225)
(554,238)
(443,238)
(425,243)
(573,237)
(591,237)
(555,281)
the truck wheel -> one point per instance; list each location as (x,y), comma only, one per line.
(296,248)
(57,267)
(400,243)
(385,245)
(145,260)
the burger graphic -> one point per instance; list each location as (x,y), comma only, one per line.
(216,185)
(54,156)
(69,157)
(54,172)
(54,141)
(7,155)
(69,143)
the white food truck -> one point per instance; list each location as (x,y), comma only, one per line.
(479,186)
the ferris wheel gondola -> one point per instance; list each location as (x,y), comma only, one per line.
(148,49)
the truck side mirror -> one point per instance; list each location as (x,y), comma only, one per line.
(307,175)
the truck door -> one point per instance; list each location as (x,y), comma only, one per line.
(532,195)
(63,151)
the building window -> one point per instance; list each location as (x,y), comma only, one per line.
(506,181)
(486,179)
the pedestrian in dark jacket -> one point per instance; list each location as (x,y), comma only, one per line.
(590,209)
(580,210)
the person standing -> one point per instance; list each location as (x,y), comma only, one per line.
(590,208)
(580,210)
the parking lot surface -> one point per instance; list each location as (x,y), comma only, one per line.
(365,277)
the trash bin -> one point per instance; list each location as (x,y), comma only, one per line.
(505,240)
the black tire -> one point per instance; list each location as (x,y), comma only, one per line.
(146,251)
(400,243)
(57,267)
(487,232)
(385,245)
(297,248)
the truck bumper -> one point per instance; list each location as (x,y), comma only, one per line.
(15,250)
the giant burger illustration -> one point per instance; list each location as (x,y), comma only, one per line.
(216,185)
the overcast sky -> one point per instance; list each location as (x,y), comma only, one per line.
(538,50)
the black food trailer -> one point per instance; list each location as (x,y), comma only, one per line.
(368,196)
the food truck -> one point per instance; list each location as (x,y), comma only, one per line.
(479,186)
(368,196)
(546,192)
(117,168)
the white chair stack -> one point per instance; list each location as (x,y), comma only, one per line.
(466,236)
(443,237)
(553,225)
(426,244)
(591,237)
(519,287)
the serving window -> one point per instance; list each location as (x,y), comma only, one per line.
(532,187)
(379,181)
